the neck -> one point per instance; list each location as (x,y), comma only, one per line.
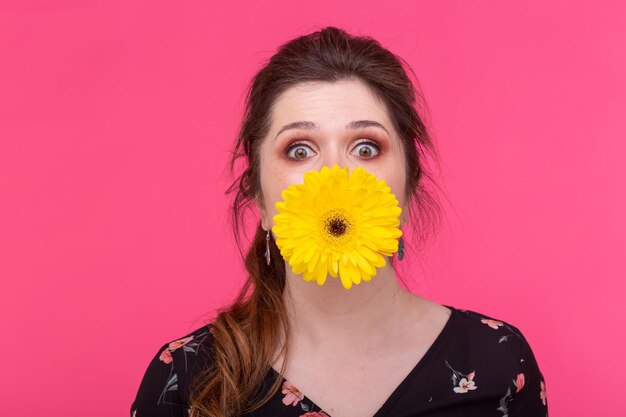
(331,315)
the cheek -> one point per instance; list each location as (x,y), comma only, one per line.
(397,183)
(394,177)
(398,190)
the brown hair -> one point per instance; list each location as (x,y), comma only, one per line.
(246,333)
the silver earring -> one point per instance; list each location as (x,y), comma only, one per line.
(267,247)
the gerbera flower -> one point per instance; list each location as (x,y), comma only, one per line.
(337,223)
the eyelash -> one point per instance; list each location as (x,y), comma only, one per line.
(367,142)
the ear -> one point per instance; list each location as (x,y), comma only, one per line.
(404,216)
(264,222)
(262,213)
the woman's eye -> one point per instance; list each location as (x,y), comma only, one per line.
(365,149)
(300,151)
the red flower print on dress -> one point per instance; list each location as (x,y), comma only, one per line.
(166,355)
(179,343)
(315,414)
(494,324)
(293,395)
(542,393)
(519,382)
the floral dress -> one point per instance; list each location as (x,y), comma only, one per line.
(477,366)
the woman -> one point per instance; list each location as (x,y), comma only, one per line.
(293,348)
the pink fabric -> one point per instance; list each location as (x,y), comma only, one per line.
(115,120)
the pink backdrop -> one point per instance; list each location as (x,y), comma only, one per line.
(115,123)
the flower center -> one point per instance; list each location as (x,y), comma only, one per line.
(337,227)
(336,223)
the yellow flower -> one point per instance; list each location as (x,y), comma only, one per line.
(337,223)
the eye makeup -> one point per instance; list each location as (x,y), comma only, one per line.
(300,143)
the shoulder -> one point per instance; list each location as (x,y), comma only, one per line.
(504,348)
(188,354)
(491,355)
(194,342)
(488,339)
(481,324)
(167,379)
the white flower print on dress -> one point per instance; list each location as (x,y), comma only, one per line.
(465,386)
(462,383)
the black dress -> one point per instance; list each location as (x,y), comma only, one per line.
(477,366)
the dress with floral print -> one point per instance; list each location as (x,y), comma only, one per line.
(477,366)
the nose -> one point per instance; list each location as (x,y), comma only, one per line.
(335,155)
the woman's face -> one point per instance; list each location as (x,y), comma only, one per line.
(318,124)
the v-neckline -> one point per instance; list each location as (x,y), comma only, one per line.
(398,390)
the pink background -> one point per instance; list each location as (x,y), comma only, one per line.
(115,122)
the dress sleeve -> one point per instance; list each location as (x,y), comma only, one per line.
(529,388)
(158,394)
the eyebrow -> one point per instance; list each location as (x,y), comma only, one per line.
(306,125)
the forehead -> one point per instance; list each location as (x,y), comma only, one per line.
(329,104)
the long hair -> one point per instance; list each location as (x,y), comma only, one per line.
(246,333)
